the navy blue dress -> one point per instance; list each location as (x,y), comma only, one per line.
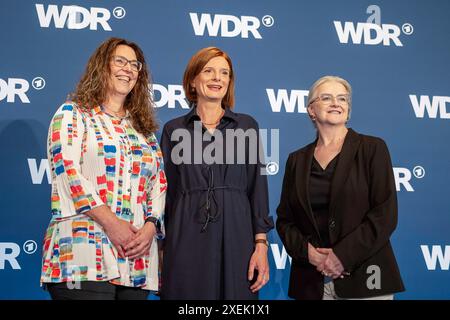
(213,211)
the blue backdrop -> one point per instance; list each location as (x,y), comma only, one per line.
(394,53)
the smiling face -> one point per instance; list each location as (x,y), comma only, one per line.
(122,79)
(211,84)
(334,112)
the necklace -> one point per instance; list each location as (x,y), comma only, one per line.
(114,113)
(217,121)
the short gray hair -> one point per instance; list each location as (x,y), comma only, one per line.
(324,79)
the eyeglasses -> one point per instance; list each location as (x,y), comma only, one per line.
(327,99)
(120,61)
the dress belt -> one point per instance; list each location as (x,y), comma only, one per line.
(210,189)
(210,197)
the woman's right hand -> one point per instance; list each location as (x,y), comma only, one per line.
(326,262)
(120,233)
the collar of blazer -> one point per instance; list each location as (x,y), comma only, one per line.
(345,161)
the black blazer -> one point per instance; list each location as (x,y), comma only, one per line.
(363,215)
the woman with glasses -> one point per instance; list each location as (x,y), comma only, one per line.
(217,200)
(108,183)
(338,206)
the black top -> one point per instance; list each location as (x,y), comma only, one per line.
(319,194)
(213,210)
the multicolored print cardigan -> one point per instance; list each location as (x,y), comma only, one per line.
(98,159)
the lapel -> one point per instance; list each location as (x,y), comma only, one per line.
(303,165)
(343,166)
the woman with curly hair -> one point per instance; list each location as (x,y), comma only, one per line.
(108,183)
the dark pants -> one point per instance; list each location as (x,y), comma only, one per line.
(92,290)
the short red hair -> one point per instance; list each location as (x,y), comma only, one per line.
(195,66)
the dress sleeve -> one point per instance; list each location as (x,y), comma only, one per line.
(72,192)
(257,190)
(158,186)
(170,170)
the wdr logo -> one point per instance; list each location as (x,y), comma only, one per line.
(169,96)
(76,17)
(280,257)
(38,173)
(229,26)
(292,101)
(403,177)
(372,32)
(9,251)
(423,103)
(436,254)
(15,87)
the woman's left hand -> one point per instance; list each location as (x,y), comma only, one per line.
(259,262)
(141,243)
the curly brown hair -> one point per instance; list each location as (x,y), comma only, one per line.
(92,89)
(195,66)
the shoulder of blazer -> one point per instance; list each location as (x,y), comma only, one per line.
(371,143)
(371,140)
(369,147)
(303,150)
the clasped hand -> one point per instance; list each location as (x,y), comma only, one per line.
(130,241)
(326,262)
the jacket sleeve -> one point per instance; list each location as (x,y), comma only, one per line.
(381,219)
(72,192)
(294,241)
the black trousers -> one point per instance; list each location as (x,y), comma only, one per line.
(93,290)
